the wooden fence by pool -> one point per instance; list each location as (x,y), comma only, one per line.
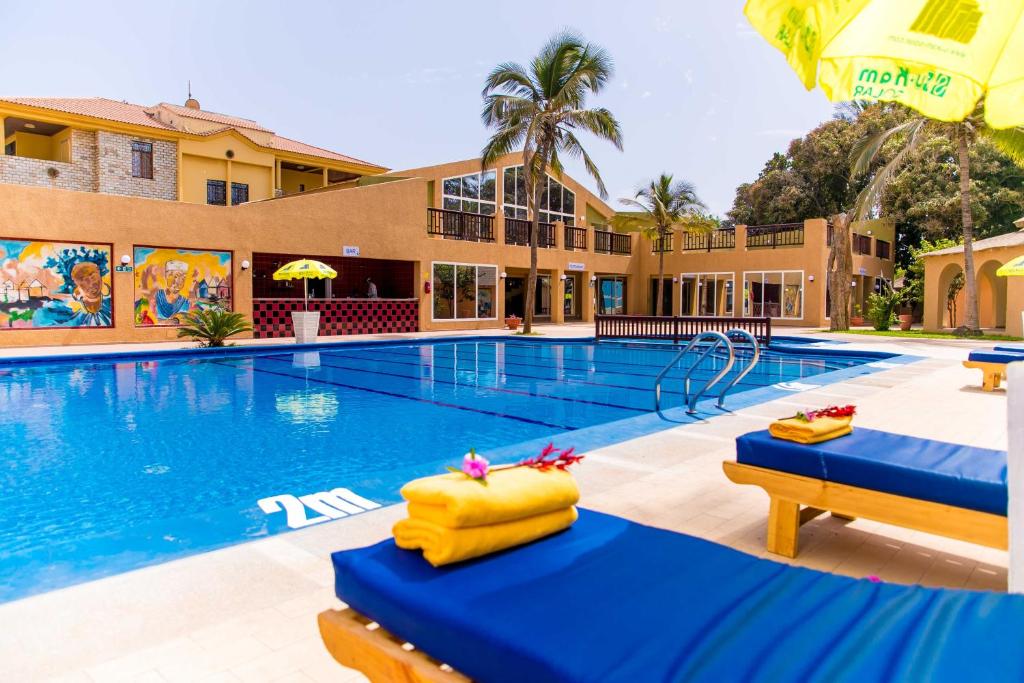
(676,328)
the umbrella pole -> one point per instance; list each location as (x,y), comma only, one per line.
(305,293)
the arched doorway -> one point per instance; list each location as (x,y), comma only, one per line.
(991,296)
(942,298)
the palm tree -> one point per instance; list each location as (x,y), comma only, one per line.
(658,209)
(539,110)
(962,135)
(212,326)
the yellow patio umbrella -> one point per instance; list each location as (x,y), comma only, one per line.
(938,56)
(305,269)
(1012,267)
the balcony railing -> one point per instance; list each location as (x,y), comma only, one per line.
(517,231)
(722,238)
(774,236)
(662,243)
(575,238)
(458,225)
(607,242)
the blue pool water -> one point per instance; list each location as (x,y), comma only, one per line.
(112,464)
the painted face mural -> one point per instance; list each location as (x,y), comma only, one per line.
(172,283)
(54,284)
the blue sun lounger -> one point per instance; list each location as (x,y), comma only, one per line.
(993,364)
(942,488)
(612,600)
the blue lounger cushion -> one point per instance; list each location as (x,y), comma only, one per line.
(611,600)
(961,476)
(995,356)
(1009,348)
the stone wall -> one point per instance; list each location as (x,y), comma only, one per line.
(78,175)
(114,167)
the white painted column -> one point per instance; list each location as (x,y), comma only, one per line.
(1015,473)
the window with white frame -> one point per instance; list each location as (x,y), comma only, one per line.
(707,294)
(774,294)
(557,202)
(471,193)
(464,291)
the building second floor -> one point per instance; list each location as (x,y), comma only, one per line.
(165,151)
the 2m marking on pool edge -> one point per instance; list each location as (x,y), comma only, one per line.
(333,504)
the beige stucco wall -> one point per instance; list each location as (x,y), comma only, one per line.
(1000,299)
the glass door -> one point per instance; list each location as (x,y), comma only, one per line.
(571,307)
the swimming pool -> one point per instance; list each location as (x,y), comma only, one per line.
(109,464)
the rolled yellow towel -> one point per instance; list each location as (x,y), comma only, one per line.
(818,430)
(444,545)
(454,500)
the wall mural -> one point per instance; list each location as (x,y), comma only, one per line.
(54,284)
(172,283)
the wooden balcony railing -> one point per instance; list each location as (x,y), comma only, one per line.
(662,243)
(607,242)
(517,232)
(575,238)
(722,238)
(457,225)
(774,236)
(676,328)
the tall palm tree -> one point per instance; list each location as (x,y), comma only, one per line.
(657,209)
(540,109)
(962,135)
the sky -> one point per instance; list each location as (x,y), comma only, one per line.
(698,94)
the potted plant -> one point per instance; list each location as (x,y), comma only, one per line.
(906,320)
(857,319)
(212,326)
(512,322)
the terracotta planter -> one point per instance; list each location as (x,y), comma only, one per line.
(856,321)
(512,322)
(906,321)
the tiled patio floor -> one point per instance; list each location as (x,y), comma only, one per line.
(248,613)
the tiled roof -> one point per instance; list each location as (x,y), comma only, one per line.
(124,112)
(96,107)
(1010,239)
(214,117)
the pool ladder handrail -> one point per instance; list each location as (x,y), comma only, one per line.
(718,339)
(754,358)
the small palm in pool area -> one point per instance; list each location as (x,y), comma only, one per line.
(212,327)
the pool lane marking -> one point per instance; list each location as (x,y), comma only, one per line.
(647,389)
(401,396)
(475,386)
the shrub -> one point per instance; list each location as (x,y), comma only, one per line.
(882,309)
(212,326)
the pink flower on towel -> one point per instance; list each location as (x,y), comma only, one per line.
(475,466)
(874,579)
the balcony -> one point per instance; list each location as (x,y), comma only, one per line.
(457,225)
(517,232)
(662,244)
(575,238)
(775,236)
(722,238)
(607,242)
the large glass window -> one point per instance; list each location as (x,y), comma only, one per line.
(774,294)
(472,193)
(557,203)
(714,293)
(464,292)
(611,298)
(542,296)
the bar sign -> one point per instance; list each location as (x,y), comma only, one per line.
(350,251)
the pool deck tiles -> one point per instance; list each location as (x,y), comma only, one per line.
(248,612)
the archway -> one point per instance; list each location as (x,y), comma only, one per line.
(941,308)
(991,296)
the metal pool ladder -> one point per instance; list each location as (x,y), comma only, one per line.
(717,339)
(754,358)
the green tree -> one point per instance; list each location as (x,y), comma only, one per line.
(905,140)
(913,277)
(540,109)
(657,210)
(212,326)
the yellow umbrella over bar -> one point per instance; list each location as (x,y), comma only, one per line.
(1012,267)
(939,57)
(305,269)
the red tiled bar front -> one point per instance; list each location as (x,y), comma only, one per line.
(273,317)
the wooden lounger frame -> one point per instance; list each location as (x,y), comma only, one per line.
(796,499)
(359,643)
(992,373)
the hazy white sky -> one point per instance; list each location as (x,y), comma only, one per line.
(398,83)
